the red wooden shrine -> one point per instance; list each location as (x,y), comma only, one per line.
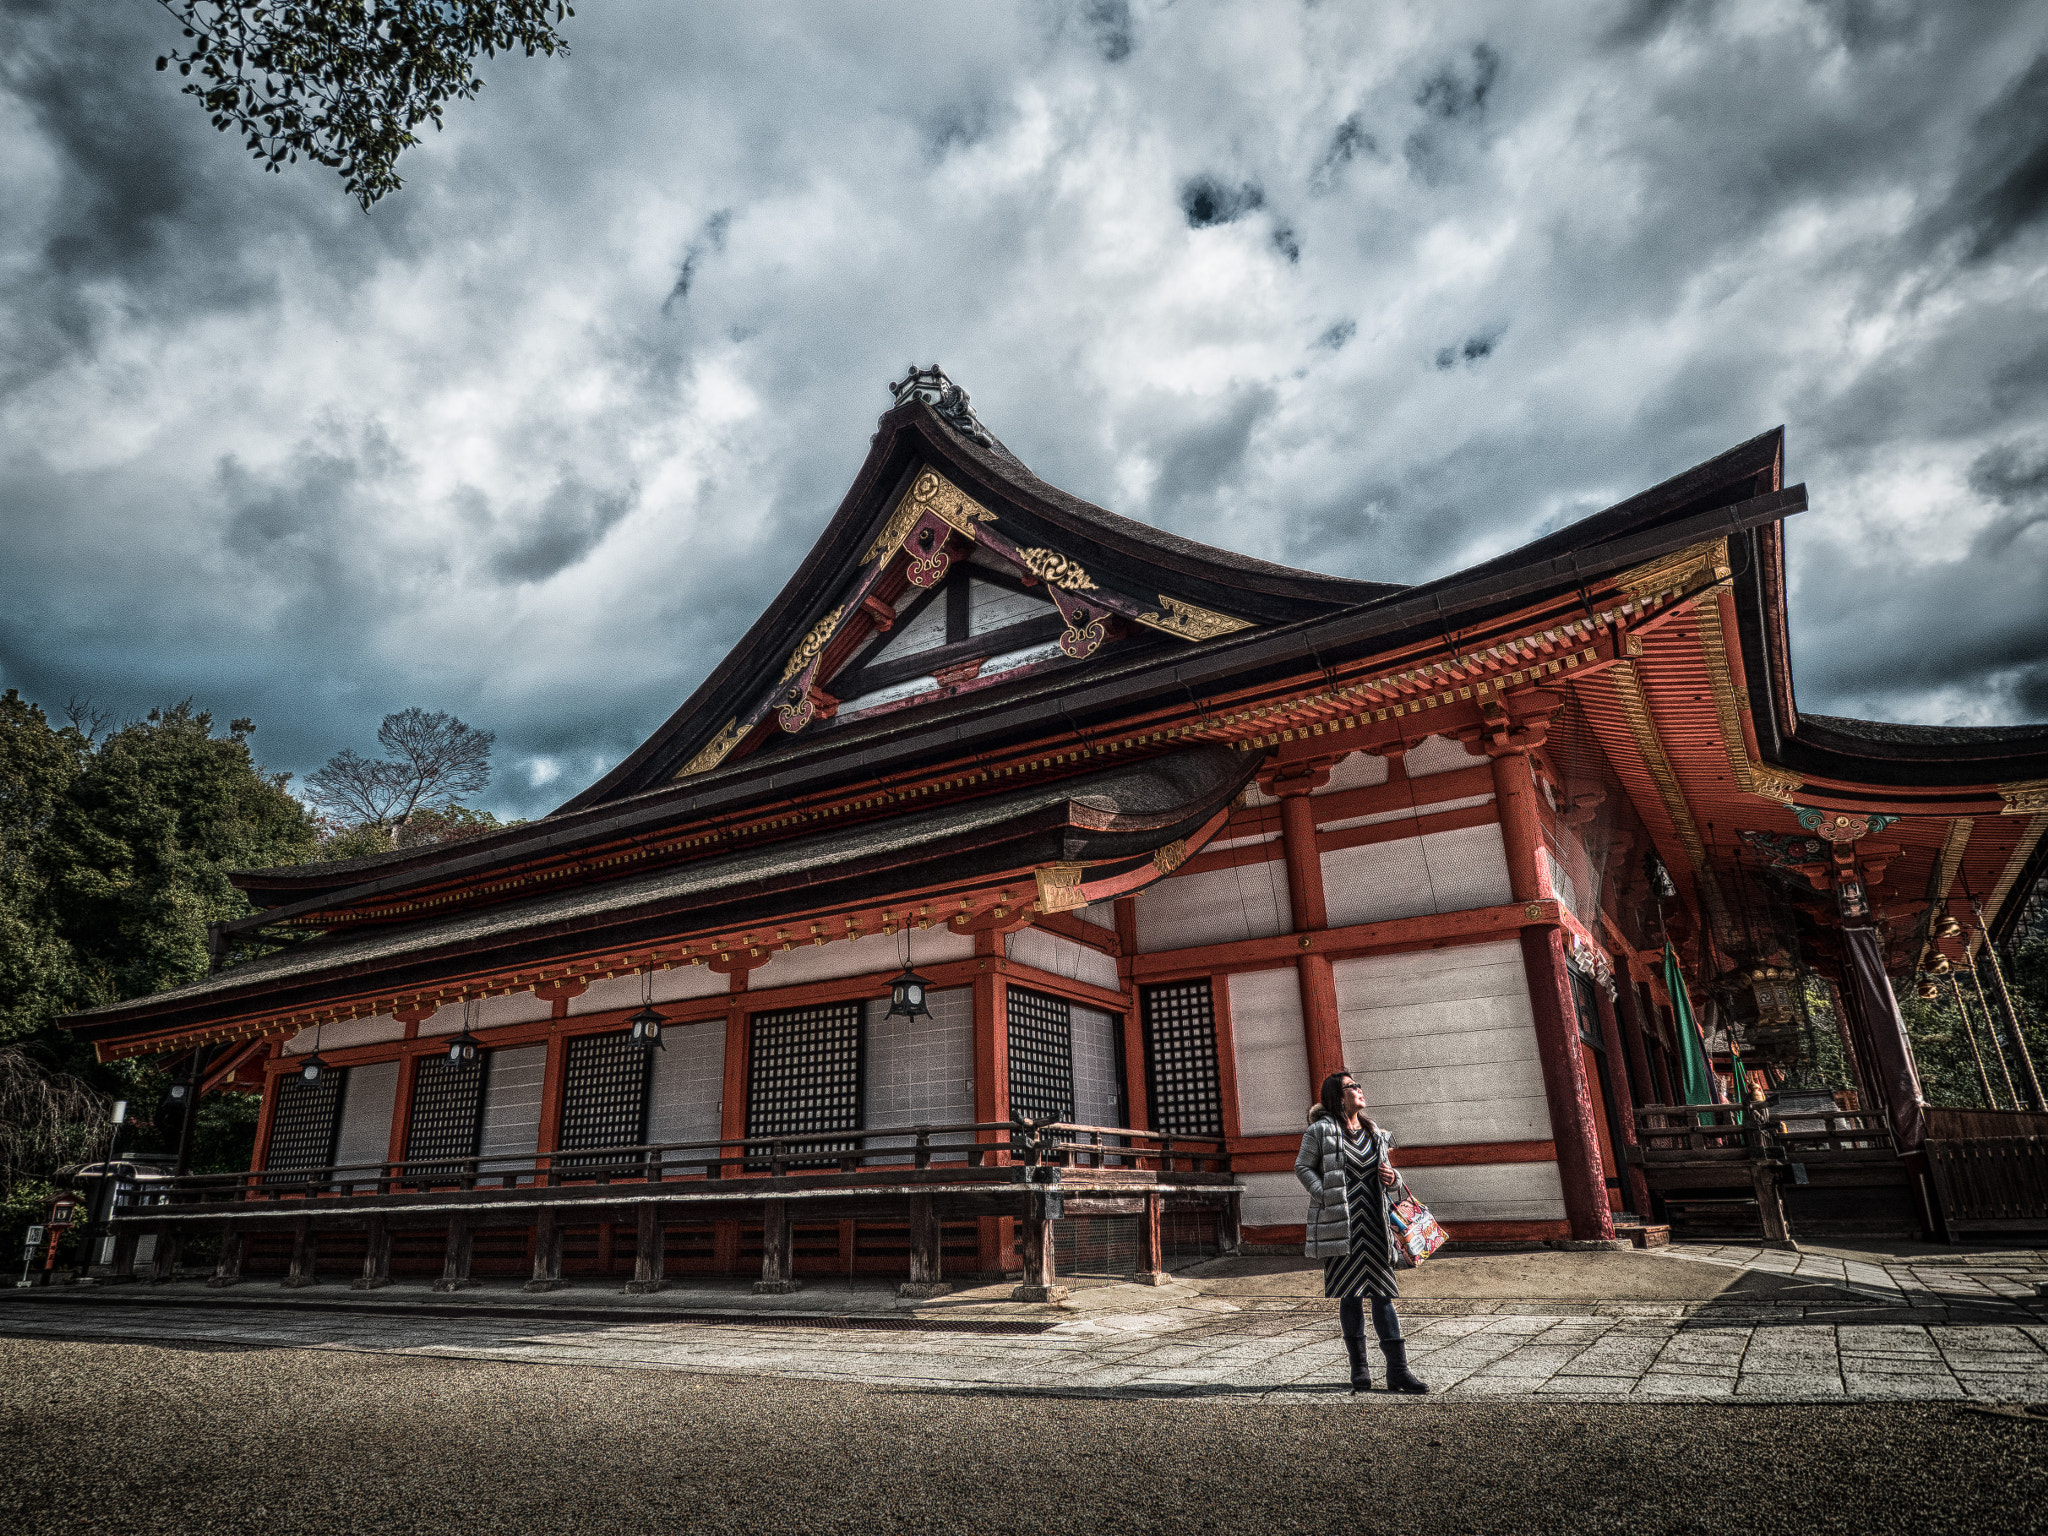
(1170,833)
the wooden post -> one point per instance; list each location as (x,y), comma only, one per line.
(1230,1224)
(650,1252)
(924,1282)
(1036,1227)
(376,1257)
(1151,1259)
(228,1269)
(167,1245)
(776,1277)
(455,1260)
(1632,1178)
(304,1247)
(1771,1208)
(547,1251)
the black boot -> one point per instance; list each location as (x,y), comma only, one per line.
(1361,1363)
(1399,1377)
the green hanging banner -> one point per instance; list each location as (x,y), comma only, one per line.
(1697,1077)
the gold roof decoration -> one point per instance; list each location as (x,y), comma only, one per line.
(714,751)
(1056,570)
(929,492)
(811,644)
(1190,622)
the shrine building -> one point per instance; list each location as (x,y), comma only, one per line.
(1166,834)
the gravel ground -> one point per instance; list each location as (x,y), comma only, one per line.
(136,1438)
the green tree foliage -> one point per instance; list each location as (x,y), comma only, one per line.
(345,82)
(141,845)
(114,853)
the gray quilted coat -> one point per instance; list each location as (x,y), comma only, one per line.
(1320,1167)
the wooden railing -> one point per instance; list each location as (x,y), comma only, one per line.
(1703,1133)
(1003,1150)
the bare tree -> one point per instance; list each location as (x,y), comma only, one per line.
(43,1114)
(434,761)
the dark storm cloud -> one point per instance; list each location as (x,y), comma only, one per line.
(1208,201)
(537,440)
(2001,189)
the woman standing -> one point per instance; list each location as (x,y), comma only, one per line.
(1345,1167)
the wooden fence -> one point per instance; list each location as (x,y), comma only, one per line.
(1989,1184)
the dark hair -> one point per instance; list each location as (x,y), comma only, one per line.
(1333,1094)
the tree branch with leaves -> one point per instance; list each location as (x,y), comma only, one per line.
(345,82)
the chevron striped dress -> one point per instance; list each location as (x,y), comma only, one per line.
(1368,1269)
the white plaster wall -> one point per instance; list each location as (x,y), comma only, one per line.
(1062,957)
(921,1071)
(1272,1200)
(687,1086)
(1488,1191)
(1444,1044)
(1360,770)
(1215,907)
(1408,877)
(332,1037)
(1438,754)
(511,1008)
(513,1080)
(1273,1090)
(877,952)
(990,607)
(368,1099)
(1100,913)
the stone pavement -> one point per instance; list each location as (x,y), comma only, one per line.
(1823,1326)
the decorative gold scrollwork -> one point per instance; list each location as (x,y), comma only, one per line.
(1056,570)
(714,751)
(812,644)
(930,492)
(2026,797)
(1190,622)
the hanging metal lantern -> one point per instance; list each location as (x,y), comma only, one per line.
(906,996)
(647,1029)
(462,1050)
(312,1068)
(1659,877)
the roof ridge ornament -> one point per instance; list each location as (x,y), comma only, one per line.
(945,398)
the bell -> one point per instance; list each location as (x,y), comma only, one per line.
(1940,966)
(1929,991)
(1946,927)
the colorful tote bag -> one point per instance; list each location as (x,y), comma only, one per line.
(1414,1231)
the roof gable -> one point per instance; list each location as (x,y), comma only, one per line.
(938,495)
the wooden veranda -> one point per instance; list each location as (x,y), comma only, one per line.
(918,1177)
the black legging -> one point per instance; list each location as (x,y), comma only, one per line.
(1386,1322)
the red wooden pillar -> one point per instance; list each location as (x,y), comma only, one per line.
(991,1089)
(1136,1109)
(1573,1128)
(732,1119)
(1321,1029)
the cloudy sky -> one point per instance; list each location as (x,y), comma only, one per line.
(1378,290)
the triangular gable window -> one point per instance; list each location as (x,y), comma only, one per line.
(970,616)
